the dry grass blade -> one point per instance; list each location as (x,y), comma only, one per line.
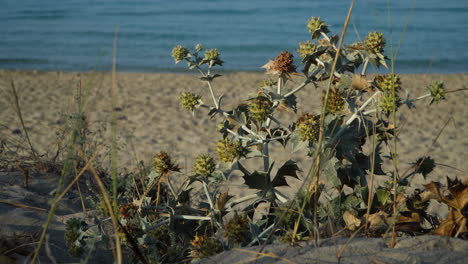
(23,206)
(20,116)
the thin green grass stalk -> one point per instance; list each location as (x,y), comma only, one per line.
(113,216)
(113,157)
(408,19)
(322,114)
(59,195)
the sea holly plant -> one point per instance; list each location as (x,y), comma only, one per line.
(161,222)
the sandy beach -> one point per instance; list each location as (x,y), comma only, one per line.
(151,120)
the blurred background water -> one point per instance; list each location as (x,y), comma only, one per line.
(77,35)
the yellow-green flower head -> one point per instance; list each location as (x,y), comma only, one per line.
(203,247)
(189,100)
(198,47)
(268,83)
(374,42)
(306,48)
(179,53)
(237,229)
(212,54)
(336,101)
(437,90)
(227,150)
(388,83)
(163,164)
(260,108)
(316,26)
(389,102)
(204,165)
(309,127)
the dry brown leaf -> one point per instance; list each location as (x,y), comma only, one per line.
(223,198)
(378,221)
(360,83)
(352,222)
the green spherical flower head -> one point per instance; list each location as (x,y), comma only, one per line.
(306,48)
(203,247)
(179,53)
(212,54)
(437,91)
(388,83)
(237,229)
(198,47)
(336,101)
(189,100)
(316,26)
(204,165)
(260,108)
(375,42)
(227,150)
(389,102)
(309,127)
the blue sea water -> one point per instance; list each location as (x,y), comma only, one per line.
(78,35)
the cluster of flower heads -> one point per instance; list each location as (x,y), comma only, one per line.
(390,85)
(73,229)
(308,127)
(211,56)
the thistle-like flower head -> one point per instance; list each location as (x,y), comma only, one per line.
(374,42)
(198,47)
(283,64)
(259,108)
(228,151)
(308,127)
(306,48)
(212,54)
(437,91)
(268,83)
(316,26)
(336,102)
(204,165)
(425,165)
(179,53)
(163,164)
(388,83)
(389,102)
(203,247)
(189,100)
(237,229)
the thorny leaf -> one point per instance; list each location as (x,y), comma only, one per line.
(209,78)
(289,168)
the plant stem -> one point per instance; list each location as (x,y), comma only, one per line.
(364,68)
(212,95)
(353,117)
